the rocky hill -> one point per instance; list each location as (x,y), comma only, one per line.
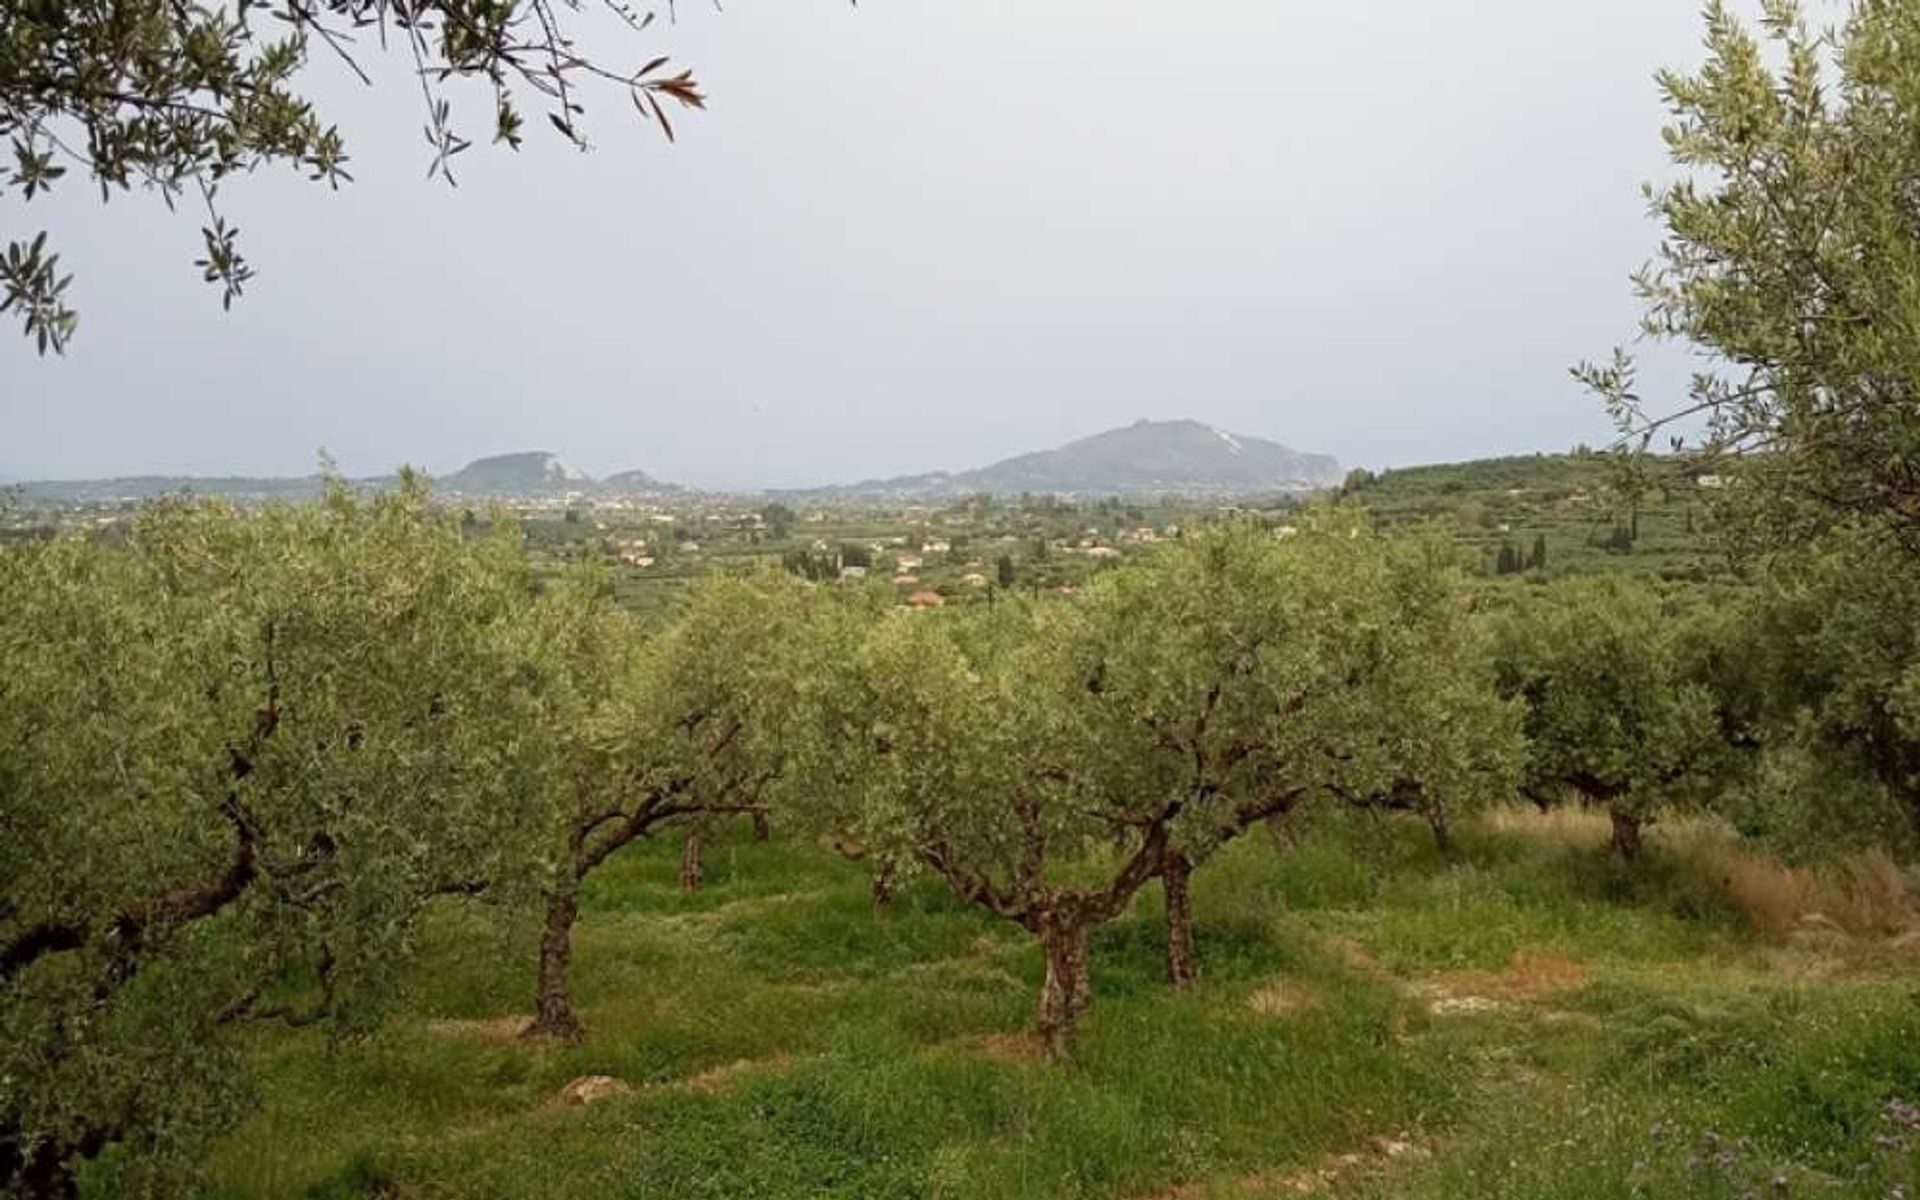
(527,473)
(1185,457)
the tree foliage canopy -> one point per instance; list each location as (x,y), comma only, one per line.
(178,98)
(241,751)
(1790,254)
(633,732)
(1612,709)
(1835,637)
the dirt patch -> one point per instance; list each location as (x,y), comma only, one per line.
(721,1079)
(1465,1006)
(1530,977)
(1544,974)
(497,1030)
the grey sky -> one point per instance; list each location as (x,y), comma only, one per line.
(920,234)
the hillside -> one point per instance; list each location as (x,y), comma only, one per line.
(1564,506)
(530,472)
(523,474)
(133,488)
(1169,457)
(628,482)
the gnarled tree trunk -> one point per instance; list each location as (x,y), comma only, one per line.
(1174,875)
(885,878)
(1067,991)
(692,872)
(1628,831)
(761,831)
(554,1018)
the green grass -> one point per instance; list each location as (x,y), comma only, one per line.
(879,1062)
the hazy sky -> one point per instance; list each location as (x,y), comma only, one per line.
(920,234)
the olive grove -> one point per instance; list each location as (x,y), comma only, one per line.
(242,752)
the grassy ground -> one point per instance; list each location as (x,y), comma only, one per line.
(1372,1020)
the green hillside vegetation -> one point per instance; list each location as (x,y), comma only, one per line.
(1568,506)
(1573,506)
(1567,509)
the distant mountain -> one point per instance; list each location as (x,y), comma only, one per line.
(1185,457)
(527,473)
(1170,457)
(630,482)
(134,488)
(530,473)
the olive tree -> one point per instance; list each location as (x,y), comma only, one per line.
(949,752)
(239,751)
(1612,711)
(1790,255)
(1048,760)
(1234,675)
(178,99)
(687,724)
(1835,635)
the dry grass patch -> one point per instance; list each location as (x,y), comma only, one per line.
(1283,1000)
(1021,1047)
(591,1089)
(1867,896)
(1331,1175)
(1531,976)
(718,1080)
(497,1030)
(1570,826)
(1863,897)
